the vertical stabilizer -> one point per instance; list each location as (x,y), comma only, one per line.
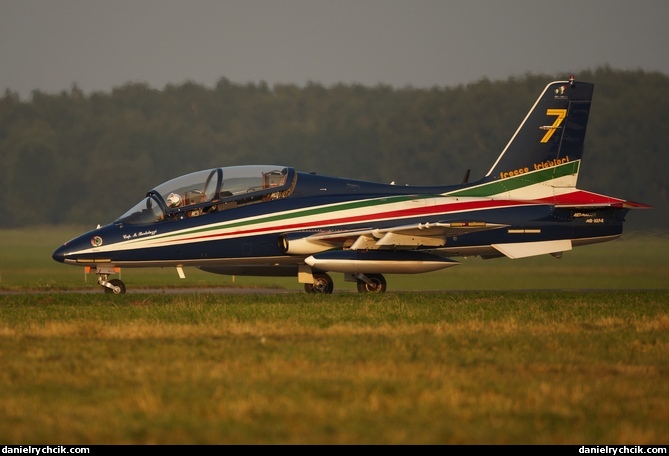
(544,155)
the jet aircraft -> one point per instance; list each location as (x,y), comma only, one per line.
(269,220)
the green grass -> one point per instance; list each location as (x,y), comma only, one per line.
(401,368)
(635,261)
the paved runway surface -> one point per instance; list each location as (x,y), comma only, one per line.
(217,290)
(241,290)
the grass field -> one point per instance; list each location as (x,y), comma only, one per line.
(536,351)
(402,368)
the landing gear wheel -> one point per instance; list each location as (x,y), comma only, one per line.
(119,287)
(322,284)
(377,285)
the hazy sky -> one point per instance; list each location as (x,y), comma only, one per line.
(100,44)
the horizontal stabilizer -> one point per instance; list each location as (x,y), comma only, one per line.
(634,205)
(528,249)
(581,199)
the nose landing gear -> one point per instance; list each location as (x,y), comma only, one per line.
(113,286)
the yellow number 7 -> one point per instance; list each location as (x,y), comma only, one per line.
(561,114)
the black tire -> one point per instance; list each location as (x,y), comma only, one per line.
(323,284)
(378,284)
(119,287)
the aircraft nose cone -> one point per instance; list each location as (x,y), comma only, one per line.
(59,254)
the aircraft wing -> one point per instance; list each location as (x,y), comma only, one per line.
(402,236)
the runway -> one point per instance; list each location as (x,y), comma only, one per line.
(267,291)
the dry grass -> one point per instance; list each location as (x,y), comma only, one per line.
(404,368)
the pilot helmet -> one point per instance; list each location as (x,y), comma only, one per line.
(173,200)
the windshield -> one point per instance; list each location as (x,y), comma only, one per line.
(201,192)
(148,210)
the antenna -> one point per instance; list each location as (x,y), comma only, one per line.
(466,178)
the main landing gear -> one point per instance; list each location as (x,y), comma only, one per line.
(322,284)
(371,283)
(366,283)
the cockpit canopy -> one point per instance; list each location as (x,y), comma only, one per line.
(211,190)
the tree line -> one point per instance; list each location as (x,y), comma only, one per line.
(76,158)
